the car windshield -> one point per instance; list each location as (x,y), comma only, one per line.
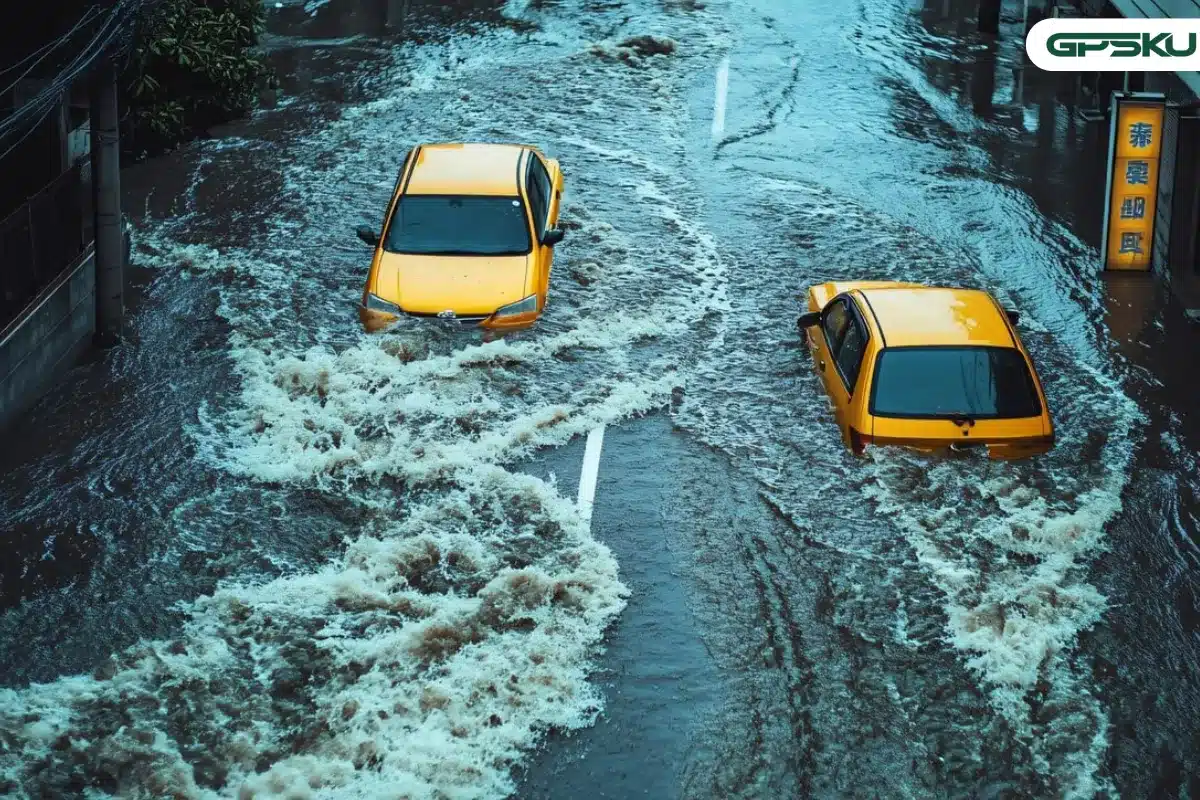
(458,225)
(975,382)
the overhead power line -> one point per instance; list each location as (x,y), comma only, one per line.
(117,24)
(42,52)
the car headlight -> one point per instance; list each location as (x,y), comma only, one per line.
(376,303)
(526,306)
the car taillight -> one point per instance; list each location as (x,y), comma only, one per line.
(858,441)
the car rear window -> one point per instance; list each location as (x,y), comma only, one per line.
(976,382)
(458,225)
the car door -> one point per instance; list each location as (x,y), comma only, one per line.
(838,354)
(847,367)
(824,339)
(540,190)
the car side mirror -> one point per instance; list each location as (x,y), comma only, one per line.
(367,235)
(553,237)
(1013,316)
(809,320)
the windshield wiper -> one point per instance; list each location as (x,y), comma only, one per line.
(963,421)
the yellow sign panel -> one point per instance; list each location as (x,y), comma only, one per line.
(1138,144)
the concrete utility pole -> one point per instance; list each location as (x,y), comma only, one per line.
(983,82)
(989,16)
(106,193)
(1035,12)
(397,16)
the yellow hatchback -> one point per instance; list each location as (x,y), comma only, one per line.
(924,367)
(468,237)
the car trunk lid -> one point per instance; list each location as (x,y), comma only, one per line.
(1003,438)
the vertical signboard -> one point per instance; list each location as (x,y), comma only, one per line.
(1135,148)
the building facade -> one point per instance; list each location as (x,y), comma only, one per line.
(58,212)
(1177,251)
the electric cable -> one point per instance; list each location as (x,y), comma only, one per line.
(35,110)
(47,49)
(120,22)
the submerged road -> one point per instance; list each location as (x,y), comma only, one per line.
(254,552)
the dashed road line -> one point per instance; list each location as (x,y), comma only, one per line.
(718,125)
(591,470)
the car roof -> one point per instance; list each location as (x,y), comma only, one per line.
(466,168)
(914,316)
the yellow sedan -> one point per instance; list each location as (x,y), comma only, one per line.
(924,367)
(468,238)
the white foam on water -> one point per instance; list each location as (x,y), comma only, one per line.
(1013,562)
(459,623)
(433,692)
(1010,544)
(1007,545)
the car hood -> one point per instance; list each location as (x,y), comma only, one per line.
(462,284)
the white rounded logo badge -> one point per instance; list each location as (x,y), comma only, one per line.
(1115,45)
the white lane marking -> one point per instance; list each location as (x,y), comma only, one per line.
(591,469)
(718,126)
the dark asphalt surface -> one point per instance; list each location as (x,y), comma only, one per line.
(347,566)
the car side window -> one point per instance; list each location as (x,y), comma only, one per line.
(537,201)
(850,355)
(543,178)
(540,180)
(837,319)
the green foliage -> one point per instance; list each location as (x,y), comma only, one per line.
(193,66)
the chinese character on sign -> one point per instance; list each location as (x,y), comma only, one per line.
(1141,134)
(1137,172)
(1131,242)
(1133,208)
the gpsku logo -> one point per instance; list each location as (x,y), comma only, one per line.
(1115,45)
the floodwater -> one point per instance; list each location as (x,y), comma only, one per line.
(254,552)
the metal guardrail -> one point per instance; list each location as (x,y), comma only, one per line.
(41,239)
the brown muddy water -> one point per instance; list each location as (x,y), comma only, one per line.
(255,552)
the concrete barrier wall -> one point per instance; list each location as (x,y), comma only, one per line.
(46,341)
